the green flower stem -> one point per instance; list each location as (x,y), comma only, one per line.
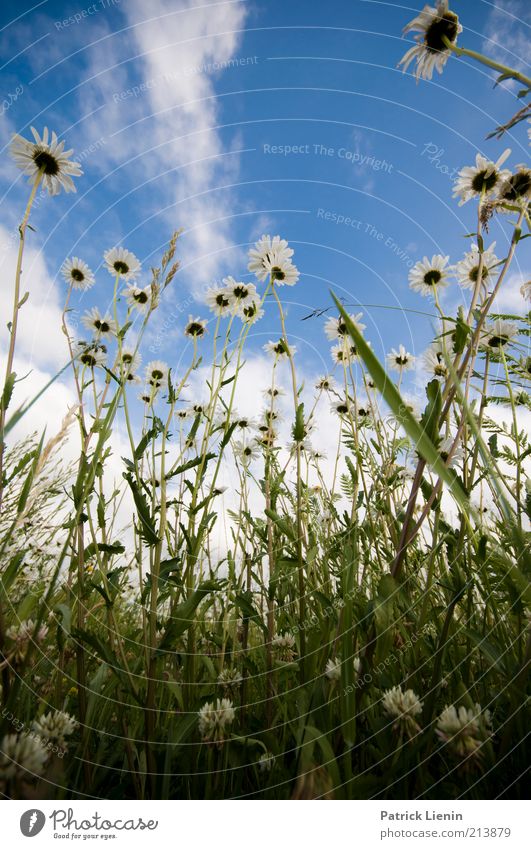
(490,63)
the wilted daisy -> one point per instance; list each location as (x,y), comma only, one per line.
(345,352)
(404,707)
(46,158)
(215,719)
(246,452)
(284,645)
(279,349)
(138,298)
(427,275)
(516,188)
(336,328)
(98,324)
(21,756)
(77,274)
(122,262)
(431,52)
(483,178)
(498,334)
(271,257)
(467,270)
(196,327)
(400,360)
(55,727)
(434,361)
(525,291)
(90,354)
(157,373)
(463,730)
(219,301)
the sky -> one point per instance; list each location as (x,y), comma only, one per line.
(233,119)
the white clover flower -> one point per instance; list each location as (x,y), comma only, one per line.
(467,270)
(48,159)
(157,373)
(404,707)
(21,756)
(284,645)
(77,274)
(229,679)
(336,328)
(427,275)
(215,719)
(482,179)
(55,727)
(464,730)
(120,261)
(23,633)
(246,452)
(333,669)
(266,761)
(280,349)
(219,301)
(102,326)
(196,327)
(271,257)
(434,361)
(400,360)
(138,298)
(431,52)
(90,354)
(498,334)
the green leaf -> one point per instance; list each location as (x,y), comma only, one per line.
(147,526)
(182,616)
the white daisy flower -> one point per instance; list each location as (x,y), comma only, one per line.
(215,719)
(428,275)
(246,452)
(279,349)
(516,188)
(77,274)
(458,454)
(326,383)
(363,411)
(22,756)
(196,327)
(243,422)
(219,301)
(346,352)
(47,158)
(268,439)
(498,334)
(431,53)
(464,730)
(467,270)
(101,326)
(483,178)
(335,328)
(400,360)
(250,311)
(434,361)
(272,393)
(341,408)
(271,257)
(131,359)
(404,707)
(90,354)
(123,262)
(138,298)
(240,293)
(157,374)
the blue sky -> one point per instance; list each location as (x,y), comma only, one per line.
(250,118)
